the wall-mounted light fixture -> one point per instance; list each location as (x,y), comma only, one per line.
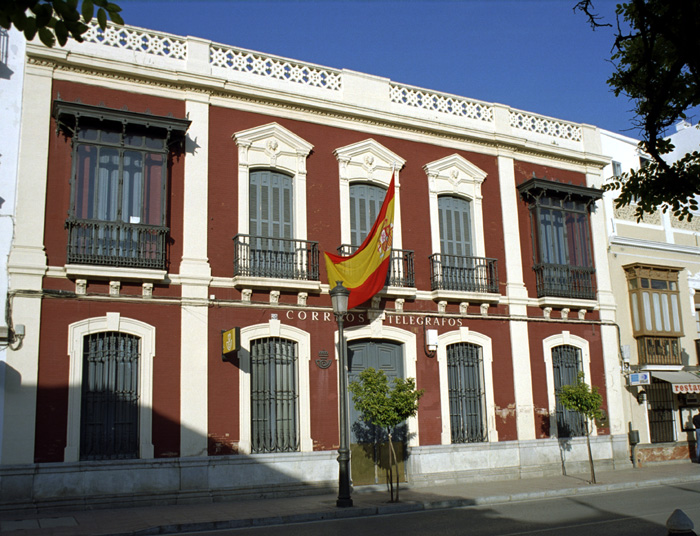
(431,341)
(642,396)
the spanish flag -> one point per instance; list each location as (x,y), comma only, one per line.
(364,272)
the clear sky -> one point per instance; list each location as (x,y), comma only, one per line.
(534,55)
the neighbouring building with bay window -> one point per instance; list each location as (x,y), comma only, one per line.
(176,189)
(655,269)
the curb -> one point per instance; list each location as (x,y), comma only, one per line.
(404,507)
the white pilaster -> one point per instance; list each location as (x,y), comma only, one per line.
(517,300)
(195,274)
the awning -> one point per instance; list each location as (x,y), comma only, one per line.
(681,381)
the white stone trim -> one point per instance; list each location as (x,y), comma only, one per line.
(274,147)
(455,175)
(274,328)
(110,322)
(464,334)
(582,344)
(368,161)
(377,330)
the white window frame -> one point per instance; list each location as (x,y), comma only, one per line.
(272,147)
(368,161)
(455,175)
(110,322)
(275,328)
(465,335)
(564,338)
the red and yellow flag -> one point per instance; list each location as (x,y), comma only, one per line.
(364,272)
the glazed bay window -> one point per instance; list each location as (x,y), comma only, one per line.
(563,260)
(119,184)
(656,316)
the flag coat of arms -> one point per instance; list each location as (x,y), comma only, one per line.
(364,272)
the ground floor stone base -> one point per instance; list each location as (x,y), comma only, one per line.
(190,480)
(648,453)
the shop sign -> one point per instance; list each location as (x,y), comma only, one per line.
(230,343)
(686,388)
(639,378)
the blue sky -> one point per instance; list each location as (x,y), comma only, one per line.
(535,55)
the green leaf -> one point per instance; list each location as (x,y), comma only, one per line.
(116,18)
(43,13)
(88,10)
(5,21)
(47,37)
(102,18)
(113,8)
(73,4)
(61,32)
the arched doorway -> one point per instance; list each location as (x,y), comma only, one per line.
(368,445)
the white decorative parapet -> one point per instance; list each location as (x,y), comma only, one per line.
(236,59)
(440,102)
(546,126)
(138,40)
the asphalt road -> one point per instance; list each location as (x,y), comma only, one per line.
(635,512)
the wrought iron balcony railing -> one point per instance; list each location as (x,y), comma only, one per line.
(401,272)
(280,258)
(463,274)
(565,281)
(109,243)
(659,351)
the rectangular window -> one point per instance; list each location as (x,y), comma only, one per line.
(616,168)
(562,255)
(109,426)
(656,317)
(466,393)
(118,203)
(566,364)
(274,395)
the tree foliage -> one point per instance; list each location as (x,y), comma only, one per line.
(580,397)
(56,20)
(656,54)
(385,406)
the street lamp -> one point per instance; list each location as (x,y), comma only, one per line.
(339,299)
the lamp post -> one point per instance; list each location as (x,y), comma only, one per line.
(339,299)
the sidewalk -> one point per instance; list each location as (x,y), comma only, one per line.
(150,520)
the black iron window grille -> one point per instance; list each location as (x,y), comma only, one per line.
(401,268)
(559,214)
(274,395)
(281,258)
(661,409)
(119,184)
(463,274)
(109,421)
(465,377)
(566,364)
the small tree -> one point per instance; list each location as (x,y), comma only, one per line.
(587,401)
(385,407)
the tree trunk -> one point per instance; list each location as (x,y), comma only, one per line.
(590,454)
(393,460)
(391,470)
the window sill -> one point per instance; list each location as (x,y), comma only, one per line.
(114,273)
(469,297)
(557,302)
(274,283)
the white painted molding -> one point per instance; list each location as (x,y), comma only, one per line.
(368,161)
(110,322)
(273,147)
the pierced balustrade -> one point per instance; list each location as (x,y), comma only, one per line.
(280,258)
(463,274)
(401,271)
(116,244)
(564,281)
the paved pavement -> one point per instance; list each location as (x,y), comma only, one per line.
(148,520)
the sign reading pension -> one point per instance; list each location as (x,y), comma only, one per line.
(230,342)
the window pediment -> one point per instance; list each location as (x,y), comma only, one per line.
(273,146)
(455,174)
(368,160)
